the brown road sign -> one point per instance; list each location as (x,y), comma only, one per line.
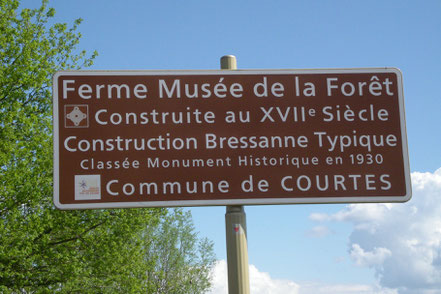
(193,138)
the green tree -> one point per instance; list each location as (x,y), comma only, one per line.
(44,250)
(181,262)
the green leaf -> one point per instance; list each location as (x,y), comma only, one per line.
(44,250)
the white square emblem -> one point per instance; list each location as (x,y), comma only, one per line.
(87,187)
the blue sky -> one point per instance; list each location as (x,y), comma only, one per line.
(313,246)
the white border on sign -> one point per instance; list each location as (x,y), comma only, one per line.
(226,202)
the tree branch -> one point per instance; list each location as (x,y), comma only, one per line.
(77,236)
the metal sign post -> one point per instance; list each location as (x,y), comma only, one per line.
(237,250)
(236,230)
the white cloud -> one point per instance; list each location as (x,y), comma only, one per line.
(369,258)
(260,282)
(220,278)
(402,242)
(263,283)
(317,288)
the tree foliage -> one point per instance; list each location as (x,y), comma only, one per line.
(181,263)
(44,250)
